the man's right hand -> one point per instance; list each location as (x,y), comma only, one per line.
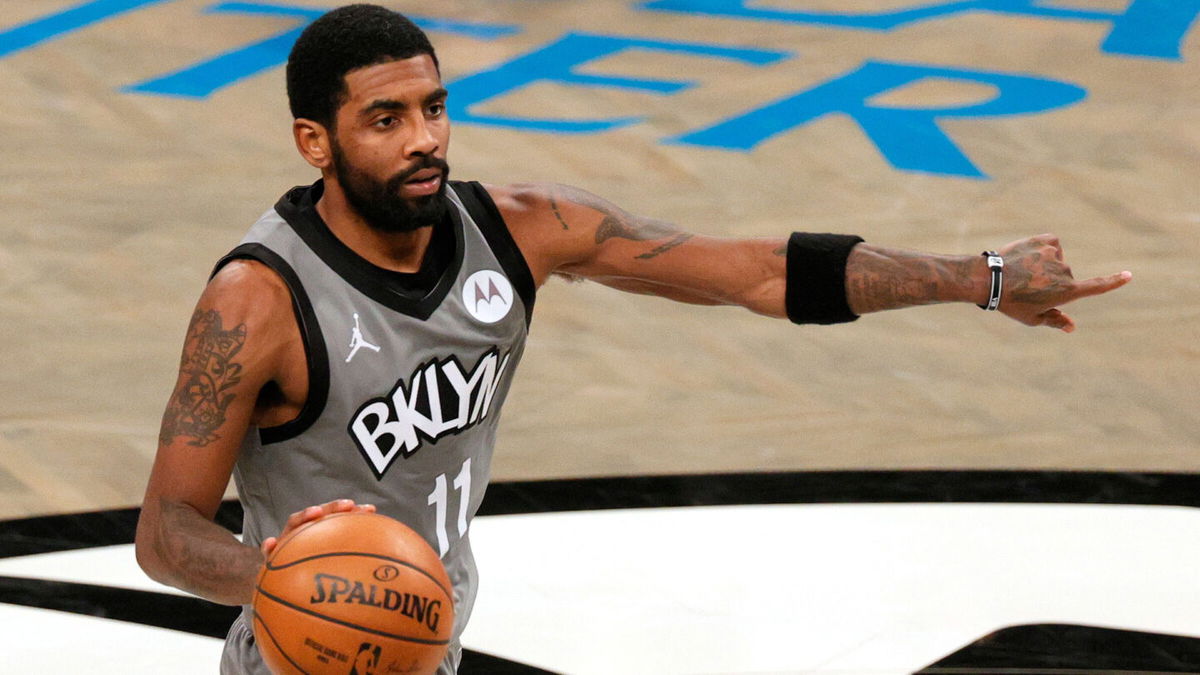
(308,515)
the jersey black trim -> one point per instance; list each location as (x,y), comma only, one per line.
(485,214)
(310,333)
(389,288)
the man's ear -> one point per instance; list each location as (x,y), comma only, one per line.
(313,142)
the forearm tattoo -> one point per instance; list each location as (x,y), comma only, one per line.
(886,280)
(206,560)
(207,372)
(663,248)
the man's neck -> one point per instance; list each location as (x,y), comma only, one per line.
(395,251)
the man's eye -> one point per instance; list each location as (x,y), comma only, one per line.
(384,122)
(437,109)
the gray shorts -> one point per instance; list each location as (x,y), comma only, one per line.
(241,657)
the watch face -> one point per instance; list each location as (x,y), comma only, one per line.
(995,261)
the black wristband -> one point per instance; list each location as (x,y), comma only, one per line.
(816,278)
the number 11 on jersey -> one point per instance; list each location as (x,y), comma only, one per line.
(438,500)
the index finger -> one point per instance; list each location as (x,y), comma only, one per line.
(1100,285)
(318,511)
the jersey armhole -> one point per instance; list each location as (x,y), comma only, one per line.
(310,334)
(485,214)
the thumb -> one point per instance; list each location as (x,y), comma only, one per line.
(1056,319)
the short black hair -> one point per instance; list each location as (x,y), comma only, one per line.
(342,40)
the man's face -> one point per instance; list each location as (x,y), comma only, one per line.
(389,149)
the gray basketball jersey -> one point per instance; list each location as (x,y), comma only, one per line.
(405,387)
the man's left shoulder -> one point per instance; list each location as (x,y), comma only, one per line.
(534,214)
(520,200)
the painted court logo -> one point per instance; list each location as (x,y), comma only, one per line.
(488,296)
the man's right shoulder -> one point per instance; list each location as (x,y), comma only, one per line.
(248,274)
(248,286)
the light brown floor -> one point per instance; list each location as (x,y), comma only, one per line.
(115,206)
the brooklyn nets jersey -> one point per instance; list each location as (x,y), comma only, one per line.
(405,386)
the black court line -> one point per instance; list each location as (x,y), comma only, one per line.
(67,532)
(1049,649)
(72,531)
(149,608)
(842,487)
(175,612)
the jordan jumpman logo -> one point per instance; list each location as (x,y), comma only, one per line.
(357,341)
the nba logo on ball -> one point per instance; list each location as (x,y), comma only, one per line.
(488,296)
(367,659)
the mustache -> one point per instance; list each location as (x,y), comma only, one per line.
(428,162)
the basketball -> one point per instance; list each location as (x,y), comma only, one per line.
(353,593)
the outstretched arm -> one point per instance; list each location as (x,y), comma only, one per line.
(567,231)
(572,233)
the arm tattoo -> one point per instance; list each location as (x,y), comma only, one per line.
(624,226)
(197,408)
(886,280)
(620,224)
(207,559)
(557,214)
(659,250)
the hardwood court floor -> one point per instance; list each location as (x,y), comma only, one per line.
(116,204)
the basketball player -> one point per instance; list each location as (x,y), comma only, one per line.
(437,280)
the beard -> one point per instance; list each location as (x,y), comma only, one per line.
(379,202)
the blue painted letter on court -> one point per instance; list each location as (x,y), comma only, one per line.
(909,138)
(202,79)
(556,62)
(1147,28)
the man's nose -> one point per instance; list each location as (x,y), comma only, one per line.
(423,141)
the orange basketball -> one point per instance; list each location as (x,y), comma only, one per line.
(353,593)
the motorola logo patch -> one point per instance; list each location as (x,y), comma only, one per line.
(488,296)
